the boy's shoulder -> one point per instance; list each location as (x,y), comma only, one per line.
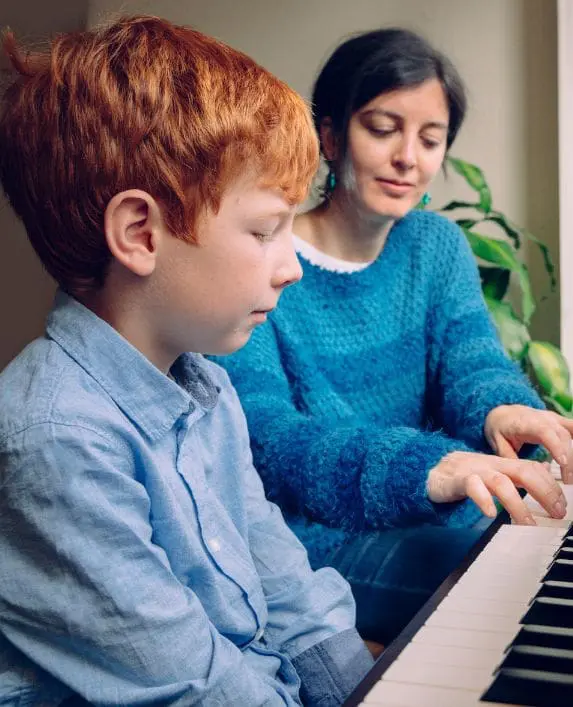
(43,385)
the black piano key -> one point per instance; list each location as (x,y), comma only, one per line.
(560,590)
(565,552)
(549,611)
(560,571)
(552,660)
(530,688)
(548,636)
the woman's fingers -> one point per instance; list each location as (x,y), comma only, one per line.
(503,448)
(566,422)
(481,477)
(477,491)
(537,480)
(555,439)
(502,487)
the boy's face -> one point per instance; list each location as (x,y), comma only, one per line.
(216,291)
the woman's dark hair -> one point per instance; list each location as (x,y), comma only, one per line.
(377,62)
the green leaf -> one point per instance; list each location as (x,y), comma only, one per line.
(512,332)
(547,259)
(494,282)
(450,206)
(557,407)
(466,222)
(476,180)
(512,231)
(551,372)
(516,233)
(500,253)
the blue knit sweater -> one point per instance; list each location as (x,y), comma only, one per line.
(361,382)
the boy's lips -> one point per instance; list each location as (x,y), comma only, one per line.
(260,315)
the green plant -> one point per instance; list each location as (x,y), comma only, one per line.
(499,260)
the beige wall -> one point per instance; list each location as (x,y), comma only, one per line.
(26,291)
(505,49)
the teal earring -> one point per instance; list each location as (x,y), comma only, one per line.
(331,181)
(426,198)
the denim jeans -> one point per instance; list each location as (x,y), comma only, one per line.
(393,573)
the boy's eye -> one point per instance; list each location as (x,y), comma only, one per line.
(263,236)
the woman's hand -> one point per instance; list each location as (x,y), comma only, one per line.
(462,475)
(508,427)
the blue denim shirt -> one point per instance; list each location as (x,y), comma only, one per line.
(140,563)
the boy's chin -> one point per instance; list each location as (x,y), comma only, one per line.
(234,343)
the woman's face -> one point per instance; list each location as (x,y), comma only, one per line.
(396,145)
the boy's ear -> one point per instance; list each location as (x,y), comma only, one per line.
(133,227)
(328,140)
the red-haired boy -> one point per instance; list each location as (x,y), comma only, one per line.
(156,171)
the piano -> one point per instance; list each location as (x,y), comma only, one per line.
(497,632)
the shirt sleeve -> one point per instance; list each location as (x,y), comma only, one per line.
(470,373)
(87,595)
(311,614)
(345,474)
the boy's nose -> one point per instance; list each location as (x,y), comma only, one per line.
(289,270)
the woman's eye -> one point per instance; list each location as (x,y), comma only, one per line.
(431,143)
(381,132)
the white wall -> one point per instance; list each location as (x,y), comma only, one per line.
(565,86)
(504,49)
(26,291)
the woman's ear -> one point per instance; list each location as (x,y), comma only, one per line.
(328,141)
(133,225)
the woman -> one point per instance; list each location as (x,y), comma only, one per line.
(383,412)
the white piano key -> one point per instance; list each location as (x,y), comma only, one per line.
(455,676)
(397,694)
(526,573)
(495,588)
(472,622)
(483,607)
(451,659)
(456,637)
(450,655)
(555,469)
(539,512)
(392,694)
(547,521)
(512,536)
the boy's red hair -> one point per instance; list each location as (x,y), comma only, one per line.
(140,104)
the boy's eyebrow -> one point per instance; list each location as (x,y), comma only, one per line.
(275,213)
(396,116)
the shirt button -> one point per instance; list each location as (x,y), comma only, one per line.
(214,544)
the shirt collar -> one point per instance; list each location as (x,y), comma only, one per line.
(149,398)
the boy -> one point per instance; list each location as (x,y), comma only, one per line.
(157,172)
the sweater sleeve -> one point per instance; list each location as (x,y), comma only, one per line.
(470,373)
(344,474)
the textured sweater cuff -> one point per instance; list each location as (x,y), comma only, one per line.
(489,396)
(394,480)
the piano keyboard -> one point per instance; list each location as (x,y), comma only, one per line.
(502,634)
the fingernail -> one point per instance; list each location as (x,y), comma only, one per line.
(562,460)
(529,520)
(559,508)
